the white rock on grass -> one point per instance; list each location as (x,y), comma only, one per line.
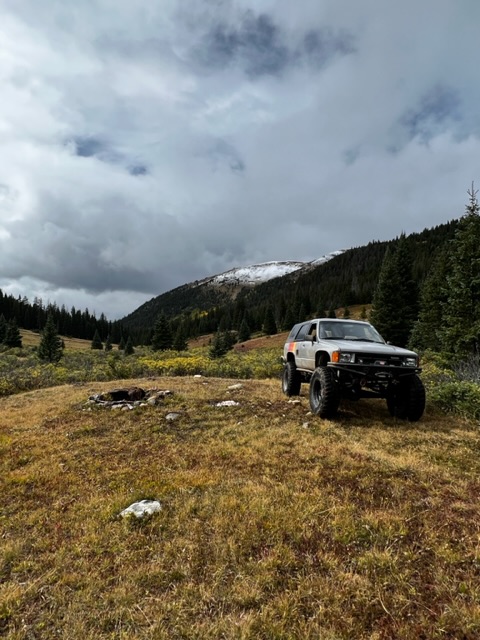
(172,416)
(227,403)
(142,509)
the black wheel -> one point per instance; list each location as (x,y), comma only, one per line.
(408,402)
(291,380)
(324,395)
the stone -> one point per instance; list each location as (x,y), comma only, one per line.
(142,509)
(172,416)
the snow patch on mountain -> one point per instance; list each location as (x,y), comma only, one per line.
(257,273)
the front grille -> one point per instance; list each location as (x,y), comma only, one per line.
(379,360)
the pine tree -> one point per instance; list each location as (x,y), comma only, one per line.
(244,332)
(180,341)
(162,334)
(129,347)
(269,325)
(12,334)
(219,346)
(50,348)
(427,329)
(121,344)
(395,302)
(3,328)
(96,341)
(346,312)
(460,331)
(108,344)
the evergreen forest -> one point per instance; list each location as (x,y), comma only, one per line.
(197,309)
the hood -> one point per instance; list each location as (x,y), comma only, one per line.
(358,346)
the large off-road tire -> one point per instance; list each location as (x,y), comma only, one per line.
(408,402)
(324,393)
(291,380)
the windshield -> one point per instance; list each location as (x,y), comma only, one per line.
(349,331)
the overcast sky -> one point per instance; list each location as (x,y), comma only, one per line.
(147,144)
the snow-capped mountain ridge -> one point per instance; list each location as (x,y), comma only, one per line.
(264,271)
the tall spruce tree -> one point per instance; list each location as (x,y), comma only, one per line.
(96,341)
(50,348)
(162,339)
(460,332)
(269,325)
(129,347)
(219,345)
(426,332)
(244,332)
(395,302)
(13,337)
(3,328)
(180,339)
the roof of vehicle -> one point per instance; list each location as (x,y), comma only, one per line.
(338,320)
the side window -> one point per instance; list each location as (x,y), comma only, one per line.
(293,332)
(302,334)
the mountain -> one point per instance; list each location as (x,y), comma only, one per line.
(294,291)
(220,289)
(265,271)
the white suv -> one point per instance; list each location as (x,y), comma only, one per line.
(350,359)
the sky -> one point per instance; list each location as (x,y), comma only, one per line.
(152,143)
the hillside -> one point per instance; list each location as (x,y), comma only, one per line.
(217,290)
(273,524)
(344,278)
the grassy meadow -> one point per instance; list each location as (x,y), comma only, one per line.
(274,523)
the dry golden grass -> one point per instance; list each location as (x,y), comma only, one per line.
(275,524)
(32,339)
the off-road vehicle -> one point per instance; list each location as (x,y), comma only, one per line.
(350,359)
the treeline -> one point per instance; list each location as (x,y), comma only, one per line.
(348,279)
(198,309)
(73,323)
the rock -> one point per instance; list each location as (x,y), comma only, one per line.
(227,403)
(235,386)
(142,509)
(172,416)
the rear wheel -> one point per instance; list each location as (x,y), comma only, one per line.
(291,380)
(408,401)
(324,395)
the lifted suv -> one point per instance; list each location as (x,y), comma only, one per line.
(350,359)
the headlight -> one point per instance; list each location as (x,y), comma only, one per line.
(410,362)
(339,356)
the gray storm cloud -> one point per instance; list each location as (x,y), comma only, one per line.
(146,145)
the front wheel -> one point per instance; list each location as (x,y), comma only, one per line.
(324,395)
(408,402)
(291,380)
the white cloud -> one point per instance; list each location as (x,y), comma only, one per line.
(145,145)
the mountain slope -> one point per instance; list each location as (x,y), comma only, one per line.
(344,277)
(220,289)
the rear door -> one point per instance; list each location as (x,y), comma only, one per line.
(305,340)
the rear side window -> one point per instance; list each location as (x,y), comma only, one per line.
(293,333)
(304,331)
